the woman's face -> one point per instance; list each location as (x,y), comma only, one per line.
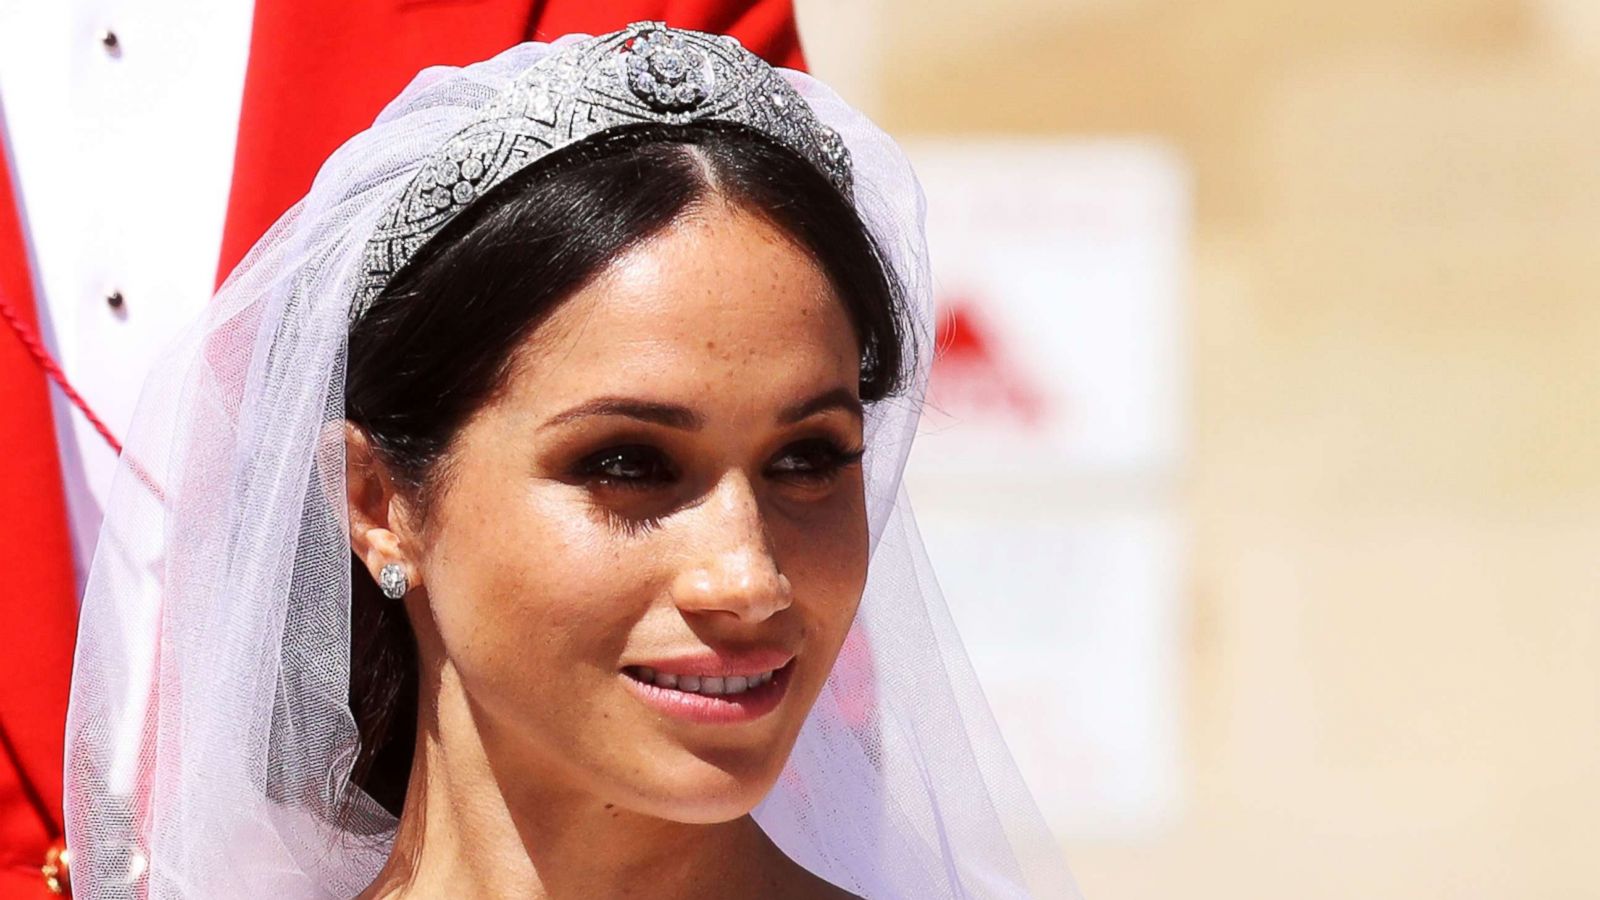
(663,503)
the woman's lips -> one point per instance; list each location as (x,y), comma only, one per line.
(710,699)
(726,661)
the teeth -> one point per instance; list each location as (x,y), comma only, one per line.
(708,685)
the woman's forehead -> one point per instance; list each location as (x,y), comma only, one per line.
(718,295)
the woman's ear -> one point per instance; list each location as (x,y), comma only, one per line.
(379,532)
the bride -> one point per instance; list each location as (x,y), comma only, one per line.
(524,520)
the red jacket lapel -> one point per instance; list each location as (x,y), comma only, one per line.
(38,612)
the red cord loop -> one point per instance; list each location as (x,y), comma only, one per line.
(52,369)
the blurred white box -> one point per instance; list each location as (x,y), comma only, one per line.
(1047,469)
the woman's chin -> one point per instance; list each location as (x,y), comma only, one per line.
(704,773)
(702,792)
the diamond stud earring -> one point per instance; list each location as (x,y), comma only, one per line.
(392,581)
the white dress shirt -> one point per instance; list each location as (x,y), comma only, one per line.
(121,118)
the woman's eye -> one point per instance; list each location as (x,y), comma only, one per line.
(635,466)
(813,460)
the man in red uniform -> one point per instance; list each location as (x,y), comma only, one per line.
(317,73)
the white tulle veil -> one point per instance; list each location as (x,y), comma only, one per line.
(210,741)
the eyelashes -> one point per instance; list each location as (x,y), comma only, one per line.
(630,467)
(633,486)
(815,460)
(630,526)
(642,467)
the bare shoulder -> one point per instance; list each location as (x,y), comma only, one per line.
(786,879)
(803,885)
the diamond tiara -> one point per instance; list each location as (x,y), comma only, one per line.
(645,73)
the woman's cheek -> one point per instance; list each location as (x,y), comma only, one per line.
(583,583)
(827,556)
(526,591)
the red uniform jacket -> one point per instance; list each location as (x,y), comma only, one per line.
(318,73)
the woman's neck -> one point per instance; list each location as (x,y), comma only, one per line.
(471,830)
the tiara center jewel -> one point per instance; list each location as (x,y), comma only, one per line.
(666,73)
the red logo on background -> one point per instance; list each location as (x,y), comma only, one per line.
(973,376)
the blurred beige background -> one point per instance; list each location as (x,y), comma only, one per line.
(1393,665)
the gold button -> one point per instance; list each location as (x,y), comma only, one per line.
(57,869)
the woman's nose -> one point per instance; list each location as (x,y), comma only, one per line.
(731,568)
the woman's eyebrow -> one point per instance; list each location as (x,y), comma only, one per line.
(838,398)
(672,415)
(669,414)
